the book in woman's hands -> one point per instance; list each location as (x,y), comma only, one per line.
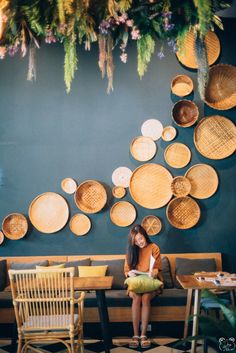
(152,261)
(140,272)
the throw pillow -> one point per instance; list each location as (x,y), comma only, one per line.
(190,266)
(75,264)
(166,273)
(28,265)
(115,269)
(47,270)
(3,274)
(92,271)
(143,284)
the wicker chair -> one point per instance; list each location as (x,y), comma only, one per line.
(44,307)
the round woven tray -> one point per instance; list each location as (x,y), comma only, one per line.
(215,137)
(1,237)
(152,128)
(181,85)
(221,88)
(121,176)
(177,155)
(49,212)
(204,181)
(90,196)
(168,133)
(118,192)
(152,225)
(180,186)
(69,185)
(183,212)
(150,186)
(185,113)
(143,148)
(80,224)
(187,56)
(123,213)
(15,226)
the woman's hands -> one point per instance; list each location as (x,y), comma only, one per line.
(131,273)
(153,273)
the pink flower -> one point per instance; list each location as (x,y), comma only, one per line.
(129,23)
(3,51)
(135,34)
(123,58)
(123,17)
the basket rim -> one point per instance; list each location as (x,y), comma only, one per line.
(182,177)
(85,217)
(172,128)
(129,204)
(151,141)
(8,235)
(186,148)
(191,123)
(157,218)
(190,81)
(68,179)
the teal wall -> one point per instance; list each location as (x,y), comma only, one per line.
(47,135)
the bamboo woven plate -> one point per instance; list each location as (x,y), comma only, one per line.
(152,128)
(168,133)
(181,85)
(118,192)
(215,137)
(177,155)
(188,57)
(183,212)
(150,185)
(185,113)
(143,148)
(180,186)
(90,196)
(204,181)
(221,88)
(69,185)
(152,225)
(1,237)
(121,176)
(123,213)
(80,224)
(15,226)
(49,212)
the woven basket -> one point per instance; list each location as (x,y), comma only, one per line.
(181,85)
(180,186)
(69,185)
(215,137)
(183,212)
(152,225)
(221,88)
(185,113)
(204,181)
(15,226)
(123,213)
(80,224)
(118,192)
(90,196)
(152,128)
(49,212)
(121,176)
(1,237)
(177,155)
(150,186)
(143,148)
(187,57)
(168,133)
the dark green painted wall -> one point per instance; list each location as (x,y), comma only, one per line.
(47,135)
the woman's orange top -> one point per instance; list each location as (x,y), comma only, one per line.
(144,260)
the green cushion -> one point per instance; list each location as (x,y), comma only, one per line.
(143,284)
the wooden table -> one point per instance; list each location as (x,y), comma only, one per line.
(191,283)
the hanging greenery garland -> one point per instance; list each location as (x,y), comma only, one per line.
(24,24)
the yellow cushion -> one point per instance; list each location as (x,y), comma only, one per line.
(47,269)
(92,271)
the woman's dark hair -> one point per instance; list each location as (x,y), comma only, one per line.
(133,250)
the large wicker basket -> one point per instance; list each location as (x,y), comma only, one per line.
(183,212)
(15,226)
(185,113)
(90,196)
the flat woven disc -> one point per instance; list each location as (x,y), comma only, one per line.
(80,224)
(152,128)
(123,213)
(168,133)
(177,155)
(118,192)
(90,196)
(49,212)
(188,57)
(215,137)
(121,176)
(150,186)
(152,225)
(204,181)
(15,226)
(180,186)
(183,212)
(1,237)
(69,185)
(143,148)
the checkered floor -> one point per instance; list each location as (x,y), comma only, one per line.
(120,345)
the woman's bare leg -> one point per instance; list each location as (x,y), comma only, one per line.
(146,307)
(136,311)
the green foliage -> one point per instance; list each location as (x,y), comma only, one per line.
(145,47)
(203,68)
(204,14)
(70,62)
